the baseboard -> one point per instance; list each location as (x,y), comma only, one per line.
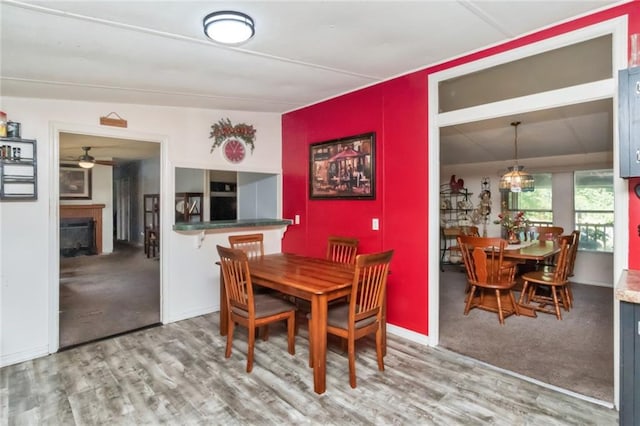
(408,334)
(192,313)
(593,283)
(22,356)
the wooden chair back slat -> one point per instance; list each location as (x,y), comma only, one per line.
(237,280)
(543,233)
(369,286)
(251,244)
(342,249)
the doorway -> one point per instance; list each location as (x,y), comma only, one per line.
(114,287)
(523,104)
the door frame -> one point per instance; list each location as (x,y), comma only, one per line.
(616,27)
(55,128)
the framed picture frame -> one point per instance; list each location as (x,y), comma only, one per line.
(343,168)
(75,182)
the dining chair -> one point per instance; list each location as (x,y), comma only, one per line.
(554,279)
(342,249)
(542,233)
(249,309)
(455,254)
(363,313)
(251,244)
(488,272)
(573,240)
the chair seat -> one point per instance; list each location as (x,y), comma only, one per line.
(338,316)
(266,305)
(544,276)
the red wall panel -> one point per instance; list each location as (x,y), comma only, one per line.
(397,111)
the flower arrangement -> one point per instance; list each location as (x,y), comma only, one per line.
(512,222)
(223,130)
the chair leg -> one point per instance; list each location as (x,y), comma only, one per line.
(252,343)
(499,302)
(554,293)
(310,346)
(467,307)
(516,310)
(352,362)
(264,330)
(379,349)
(291,333)
(523,299)
(227,352)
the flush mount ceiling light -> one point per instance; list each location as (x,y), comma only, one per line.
(516,179)
(228,27)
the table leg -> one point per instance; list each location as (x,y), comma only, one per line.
(224,312)
(319,344)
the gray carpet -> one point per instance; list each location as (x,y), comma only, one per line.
(575,353)
(108,294)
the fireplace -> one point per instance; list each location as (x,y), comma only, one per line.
(77,236)
(84,211)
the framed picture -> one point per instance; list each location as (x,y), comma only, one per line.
(343,168)
(75,182)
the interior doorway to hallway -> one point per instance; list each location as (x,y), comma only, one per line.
(110,286)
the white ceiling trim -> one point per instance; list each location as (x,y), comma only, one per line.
(554,98)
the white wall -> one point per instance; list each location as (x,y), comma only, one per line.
(28,248)
(591,267)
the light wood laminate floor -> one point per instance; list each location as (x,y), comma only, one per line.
(177,374)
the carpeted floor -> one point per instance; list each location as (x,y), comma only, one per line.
(575,353)
(108,294)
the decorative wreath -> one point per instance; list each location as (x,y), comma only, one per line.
(223,130)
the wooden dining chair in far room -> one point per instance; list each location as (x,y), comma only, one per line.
(490,277)
(362,314)
(572,240)
(455,255)
(251,244)
(542,233)
(342,249)
(555,280)
(247,308)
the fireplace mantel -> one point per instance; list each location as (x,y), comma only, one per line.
(86,210)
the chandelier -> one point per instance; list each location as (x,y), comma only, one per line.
(516,179)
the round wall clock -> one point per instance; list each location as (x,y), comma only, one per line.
(234,150)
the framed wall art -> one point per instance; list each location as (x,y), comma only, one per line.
(75,182)
(343,168)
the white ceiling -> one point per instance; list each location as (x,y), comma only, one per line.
(155,53)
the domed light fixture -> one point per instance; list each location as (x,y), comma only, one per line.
(86,161)
(228,27)
(516,179)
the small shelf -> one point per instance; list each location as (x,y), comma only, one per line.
(18,176)
(188,207)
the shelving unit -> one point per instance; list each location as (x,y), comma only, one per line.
(151,224)
(18,174)
(189,206)
(454,205)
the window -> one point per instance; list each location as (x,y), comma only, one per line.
(537,205)
(593,201)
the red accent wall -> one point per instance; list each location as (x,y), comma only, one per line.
(397,111)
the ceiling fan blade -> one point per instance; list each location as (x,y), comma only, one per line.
(105,162)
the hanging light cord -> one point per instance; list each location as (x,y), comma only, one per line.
(515,124)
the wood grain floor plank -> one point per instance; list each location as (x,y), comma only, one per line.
(178,374)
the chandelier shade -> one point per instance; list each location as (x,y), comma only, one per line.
(516,179)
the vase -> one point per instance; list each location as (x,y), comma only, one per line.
(513,237)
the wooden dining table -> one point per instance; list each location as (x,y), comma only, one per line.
(316,280)
(537,250)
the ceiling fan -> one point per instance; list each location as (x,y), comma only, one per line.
(87,161)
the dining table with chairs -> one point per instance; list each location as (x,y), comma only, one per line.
(321,282)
